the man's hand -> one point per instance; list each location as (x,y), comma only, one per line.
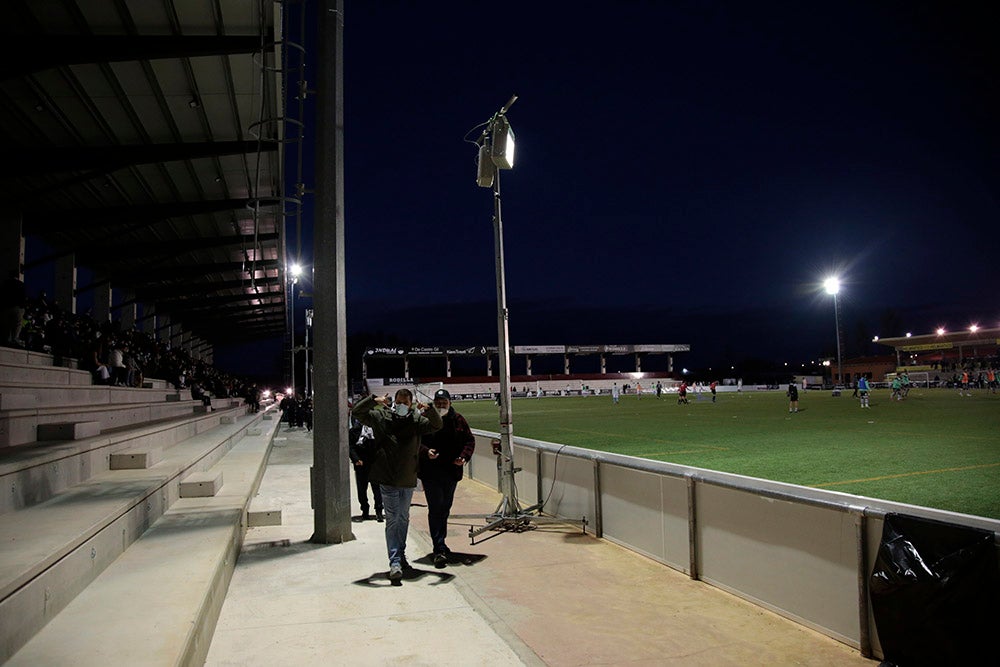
(421,406)
(382,400)
(459,461)
(432,454)
(359,463)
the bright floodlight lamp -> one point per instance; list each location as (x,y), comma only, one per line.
(502,152)
(974,328)
(940,331)
(289,390)
(295,270)
(832,285)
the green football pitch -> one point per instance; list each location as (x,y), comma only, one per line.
(935,448)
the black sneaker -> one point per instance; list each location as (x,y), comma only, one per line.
(440,560)
(405,564)
(379,517)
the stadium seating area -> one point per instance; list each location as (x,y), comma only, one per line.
(122,510)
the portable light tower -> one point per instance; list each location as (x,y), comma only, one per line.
(496,152)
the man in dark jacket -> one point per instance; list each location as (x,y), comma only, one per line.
(442,456)
(394,466)
(362,450)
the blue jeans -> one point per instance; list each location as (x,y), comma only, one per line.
(396,500)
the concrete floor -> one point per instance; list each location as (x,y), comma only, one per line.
(548,596)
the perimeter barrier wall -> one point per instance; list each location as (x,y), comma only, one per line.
(803,553)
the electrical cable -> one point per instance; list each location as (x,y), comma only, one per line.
(555,469)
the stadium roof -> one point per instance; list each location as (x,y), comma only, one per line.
(145,138)
(943,341)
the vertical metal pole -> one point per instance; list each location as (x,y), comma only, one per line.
(331,488)
(292,350)
(598,507)
(503,335)
(836,317)
(692,528)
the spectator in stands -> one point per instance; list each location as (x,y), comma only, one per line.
(199,394)
(253,398)
(116,363)
(362,449)
(397,434)
(443,454)
(13,298)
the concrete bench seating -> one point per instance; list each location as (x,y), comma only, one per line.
(30,395)
(33,473)
(20,374)
(11,355)
(61,548)
(19,427)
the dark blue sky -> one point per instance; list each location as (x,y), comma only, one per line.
(686,171)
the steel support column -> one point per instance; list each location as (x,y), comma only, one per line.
(331,481)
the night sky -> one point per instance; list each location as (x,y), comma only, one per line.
(687,172)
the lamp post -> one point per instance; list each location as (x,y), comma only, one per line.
(832,286)
(294,271)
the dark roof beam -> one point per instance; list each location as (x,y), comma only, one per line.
(48,51)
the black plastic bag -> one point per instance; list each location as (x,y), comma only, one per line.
(935,592)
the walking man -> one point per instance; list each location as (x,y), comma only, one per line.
(443,454)
(397,437)
(712,387)
(615,393)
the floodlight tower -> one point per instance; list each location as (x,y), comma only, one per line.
(294,271)
(832,286)
(496,152)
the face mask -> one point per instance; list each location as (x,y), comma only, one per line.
(442,411)
(401,409)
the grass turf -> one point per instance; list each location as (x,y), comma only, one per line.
(935,449)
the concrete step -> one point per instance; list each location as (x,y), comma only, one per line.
(69,430)
(18,374)
(51,396)
(201,484)
(33,473)
(158,603)
(19,427)
(10,355)
(54,550)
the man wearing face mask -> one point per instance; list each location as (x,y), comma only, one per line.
(442,456)
(397,434)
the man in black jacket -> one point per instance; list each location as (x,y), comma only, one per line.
(442,457)
(362,451)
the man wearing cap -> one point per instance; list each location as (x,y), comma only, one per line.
(442,456)
(394,464)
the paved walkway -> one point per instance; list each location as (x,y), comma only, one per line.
(549,596)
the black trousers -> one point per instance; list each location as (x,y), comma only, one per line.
(440,493)
(361,477)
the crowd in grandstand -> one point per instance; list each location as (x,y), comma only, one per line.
(116,356)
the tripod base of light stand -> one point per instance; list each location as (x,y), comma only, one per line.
(509,517)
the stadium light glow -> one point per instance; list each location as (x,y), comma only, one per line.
(940,331)
(908,334)
(295,270)
(875,339)
(832,287)
(289,391)
(974,328)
